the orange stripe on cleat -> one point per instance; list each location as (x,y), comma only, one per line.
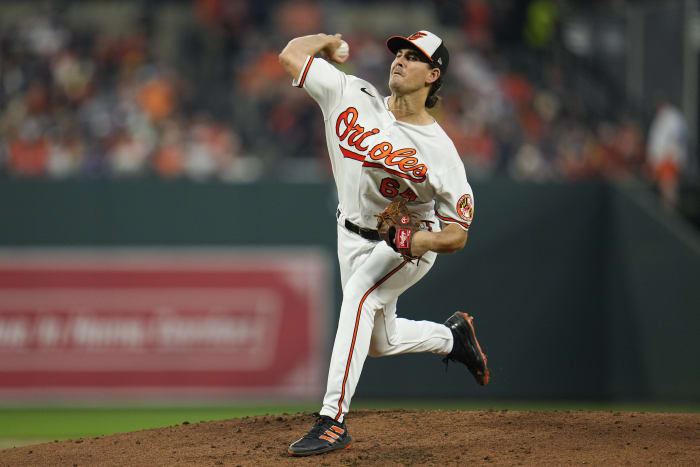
(337,429)
(327,438)
(331,434)
(470,321)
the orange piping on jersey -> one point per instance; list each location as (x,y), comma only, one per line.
(306,70)
(354,334)
(449,219)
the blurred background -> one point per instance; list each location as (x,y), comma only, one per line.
(167,206)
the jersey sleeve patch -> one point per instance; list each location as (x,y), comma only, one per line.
(465,207)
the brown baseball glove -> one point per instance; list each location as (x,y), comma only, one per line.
(396,225)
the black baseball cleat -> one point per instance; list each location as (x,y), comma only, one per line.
(466,348)
(326,435)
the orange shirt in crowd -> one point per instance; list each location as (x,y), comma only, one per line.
(29,158)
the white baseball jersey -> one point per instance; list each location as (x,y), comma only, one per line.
(377,159)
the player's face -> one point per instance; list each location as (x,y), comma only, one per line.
(408,72)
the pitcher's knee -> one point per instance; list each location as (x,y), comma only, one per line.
(374,352)
(379,347)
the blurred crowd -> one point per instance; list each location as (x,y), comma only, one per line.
(76,101)
(79,103)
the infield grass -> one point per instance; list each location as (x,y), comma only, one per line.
(30,425)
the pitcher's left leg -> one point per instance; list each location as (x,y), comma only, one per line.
(394,336)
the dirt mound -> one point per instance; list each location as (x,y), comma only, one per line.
(395,437)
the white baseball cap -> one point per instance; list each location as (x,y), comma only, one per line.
(427,43)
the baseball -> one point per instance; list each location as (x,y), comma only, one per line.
(342,50)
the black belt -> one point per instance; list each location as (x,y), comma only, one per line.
(369,234)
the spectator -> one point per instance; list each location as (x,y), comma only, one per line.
(29,150)
(667,151)
(169,159)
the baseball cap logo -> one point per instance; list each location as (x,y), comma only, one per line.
(416,36)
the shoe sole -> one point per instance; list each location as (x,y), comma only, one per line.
(315,453)
(483,379)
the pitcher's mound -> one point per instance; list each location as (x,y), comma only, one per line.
(396,437)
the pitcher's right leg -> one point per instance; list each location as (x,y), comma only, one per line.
(353,335)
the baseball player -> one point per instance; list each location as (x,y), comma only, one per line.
(383,150)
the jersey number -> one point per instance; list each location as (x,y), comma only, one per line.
(389,188)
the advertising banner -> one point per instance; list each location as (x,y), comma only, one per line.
(137,322)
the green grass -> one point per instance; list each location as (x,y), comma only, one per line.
(21,425)
(76,422)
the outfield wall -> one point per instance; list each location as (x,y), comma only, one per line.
(579,291)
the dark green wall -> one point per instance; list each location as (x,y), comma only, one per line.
(654,299)
(579,291)
(103,212)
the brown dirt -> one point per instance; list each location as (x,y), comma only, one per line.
(396,437)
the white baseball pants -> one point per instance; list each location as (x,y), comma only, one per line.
(373,276)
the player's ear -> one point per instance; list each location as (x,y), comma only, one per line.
(433,76)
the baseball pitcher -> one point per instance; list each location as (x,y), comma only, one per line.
(403,198)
